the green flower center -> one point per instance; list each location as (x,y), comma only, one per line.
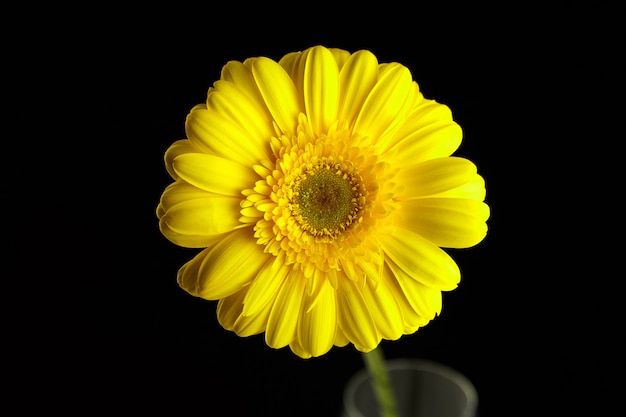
(327,199)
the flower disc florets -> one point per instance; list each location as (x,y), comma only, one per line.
(314,206)
(327,198)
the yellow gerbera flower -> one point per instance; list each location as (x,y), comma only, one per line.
(322,188)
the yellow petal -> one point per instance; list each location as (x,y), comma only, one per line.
(321,89)
(254,324)
(340,338)
(230,315)
(187,276)
(294,66)
(214,174)
(424,302)
(385,104)
(175,193)
(288,61)
(278,92)
(447,222)
(297,348)
(421,259)
(434,176)
(357,78)
(283,319)
(341,56)
(355,319)
(229,309)
(160,211)
(473,189)
(178,192)
(433,141)
(350,270)
(405,297)
(230,265)
(383,308)
(315,284)
(264,287)
(185,240)
(177,148)
(428,132)
(317,325)
(229,100)
(388,138)
(203,216)
(241,75)
(214,133)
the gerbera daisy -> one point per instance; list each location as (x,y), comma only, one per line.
(322,189)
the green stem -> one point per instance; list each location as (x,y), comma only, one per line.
(375,364)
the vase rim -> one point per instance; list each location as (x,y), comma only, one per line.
(424,365)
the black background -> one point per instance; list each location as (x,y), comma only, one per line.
(517,324)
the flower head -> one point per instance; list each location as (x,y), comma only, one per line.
(322,189)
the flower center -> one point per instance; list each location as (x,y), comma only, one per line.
(316,203)
(327,199)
